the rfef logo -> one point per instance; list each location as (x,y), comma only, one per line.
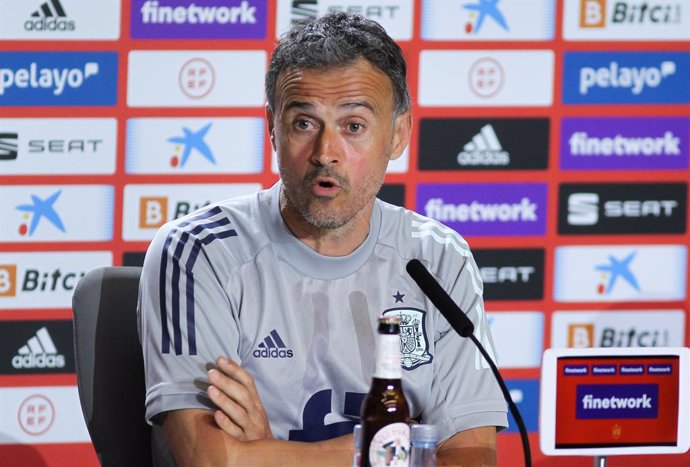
(611,401)
(483,144)
(622,208)
(214,19)
(58,78)
(624,143)
(511,274)
(486,209)
(626,77)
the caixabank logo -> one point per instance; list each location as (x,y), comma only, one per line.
(622,208)
(508,209)
(29,347)
(627,143)
(511,274)
(483,144)
(58,78)
(626,78)
(211,19)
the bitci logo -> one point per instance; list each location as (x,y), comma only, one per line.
(197,78)
(8,280)
(153,212)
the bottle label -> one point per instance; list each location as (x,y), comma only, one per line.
(390,446)
(388,357)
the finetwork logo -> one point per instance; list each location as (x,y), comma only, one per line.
(512,209)
(593,13)
(607,401)
(272,347)
(212,19)
(58,78)
(626,77)
(39,209)
(480,10)
(485,148)
(191,141)
(39,352)
(50,16)
(624,143)
(8,146)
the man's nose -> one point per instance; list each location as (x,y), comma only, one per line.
(327,148)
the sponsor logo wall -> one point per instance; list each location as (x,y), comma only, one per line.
(553,137)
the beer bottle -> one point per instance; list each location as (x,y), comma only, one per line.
(385,413)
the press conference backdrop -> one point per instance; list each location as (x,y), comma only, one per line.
(552,135)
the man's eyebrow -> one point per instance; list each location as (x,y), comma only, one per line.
(356,104)
(346,105)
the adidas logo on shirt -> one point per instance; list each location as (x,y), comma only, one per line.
(50,16)
(39,352)
(272,347)
(484,149)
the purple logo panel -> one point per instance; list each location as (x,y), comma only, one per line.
(486,209)
(201,19)
(624,143)
(608,401)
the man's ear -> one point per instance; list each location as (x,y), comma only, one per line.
(402,129)
(270,125)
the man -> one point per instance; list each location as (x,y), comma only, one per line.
(289,283)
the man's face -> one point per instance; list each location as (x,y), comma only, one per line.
(334,134)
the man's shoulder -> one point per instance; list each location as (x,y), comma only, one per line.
(418,236)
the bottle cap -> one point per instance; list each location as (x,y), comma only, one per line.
(424,433)
(357,434)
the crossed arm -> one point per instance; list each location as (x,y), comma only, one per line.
(245,438)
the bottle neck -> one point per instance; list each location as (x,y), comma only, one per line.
(388,357)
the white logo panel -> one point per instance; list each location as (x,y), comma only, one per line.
(394,15)
(619,328)
(148,207)
(60,19)
(195,145)
(480,20)
(57,146)
(196,78)
(620,273)
(486,78)
(45,279)
(56,213)
(639,20)
(518,337)
(42,414)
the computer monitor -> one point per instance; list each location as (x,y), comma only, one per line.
(614,401)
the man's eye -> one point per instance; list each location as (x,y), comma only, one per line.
(355,127)
(302,124)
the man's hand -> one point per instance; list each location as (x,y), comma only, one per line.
(241,413)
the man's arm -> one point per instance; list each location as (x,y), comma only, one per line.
(196,440)
(469,448)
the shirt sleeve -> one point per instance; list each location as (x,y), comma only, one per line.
(464,393)
(185,319)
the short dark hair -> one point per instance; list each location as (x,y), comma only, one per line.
(339,39)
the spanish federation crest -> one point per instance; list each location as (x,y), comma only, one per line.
(414,347)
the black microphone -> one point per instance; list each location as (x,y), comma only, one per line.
(463,326)
(441,300)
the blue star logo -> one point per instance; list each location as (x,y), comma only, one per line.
(399,297)
(486,8)
(193,140)
(619,268)
(41,208)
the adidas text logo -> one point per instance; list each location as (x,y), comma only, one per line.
(272,347)
(50,16)
(484,149)
(39,352)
